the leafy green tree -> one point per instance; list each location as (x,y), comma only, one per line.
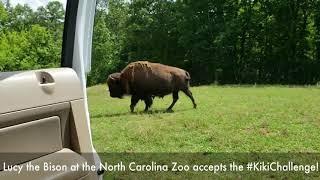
(43,47)
(12,51)
(247,41)
(108,40)
(104,54)
(21,17)
(25,44)
(51,16)
(3,16)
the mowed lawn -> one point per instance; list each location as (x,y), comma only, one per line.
(228,119)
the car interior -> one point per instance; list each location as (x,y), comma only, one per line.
(43,115)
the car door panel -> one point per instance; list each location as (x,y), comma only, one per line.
(30,140)
(42,113)
(23,90)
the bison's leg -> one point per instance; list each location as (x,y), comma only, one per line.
(189,94)
(134,101)
(148,102)
(175,97)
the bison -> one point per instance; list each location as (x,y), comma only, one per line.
(144,80)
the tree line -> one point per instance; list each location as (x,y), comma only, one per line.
(30,39)
(222,41)
(244,41)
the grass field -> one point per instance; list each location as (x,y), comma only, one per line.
(228,119)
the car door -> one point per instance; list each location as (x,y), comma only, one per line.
(44,119)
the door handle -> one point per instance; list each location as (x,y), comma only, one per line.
(46,81)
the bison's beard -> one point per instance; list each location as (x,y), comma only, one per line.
(116,92)
(117,95)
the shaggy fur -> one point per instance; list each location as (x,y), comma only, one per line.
(144,80)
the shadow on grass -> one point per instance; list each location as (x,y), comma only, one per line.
(138,113)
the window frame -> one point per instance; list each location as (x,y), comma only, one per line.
(69,33)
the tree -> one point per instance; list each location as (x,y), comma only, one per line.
(25,44)
(246,41)
(3,17)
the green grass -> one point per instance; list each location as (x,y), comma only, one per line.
(228,119)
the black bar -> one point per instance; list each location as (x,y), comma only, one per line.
(69,33)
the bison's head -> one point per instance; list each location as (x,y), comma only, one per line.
(114,85)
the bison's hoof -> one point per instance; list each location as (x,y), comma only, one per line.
(195,106)
(169,111)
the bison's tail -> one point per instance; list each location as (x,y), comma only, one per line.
(187,76)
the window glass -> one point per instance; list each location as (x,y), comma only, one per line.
(30,34)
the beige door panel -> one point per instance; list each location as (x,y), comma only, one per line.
(22,142)
(23,90)
(62,110)
(42,112)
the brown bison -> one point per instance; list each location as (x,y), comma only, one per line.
(145,80)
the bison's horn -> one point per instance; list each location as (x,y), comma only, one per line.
(112,78)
